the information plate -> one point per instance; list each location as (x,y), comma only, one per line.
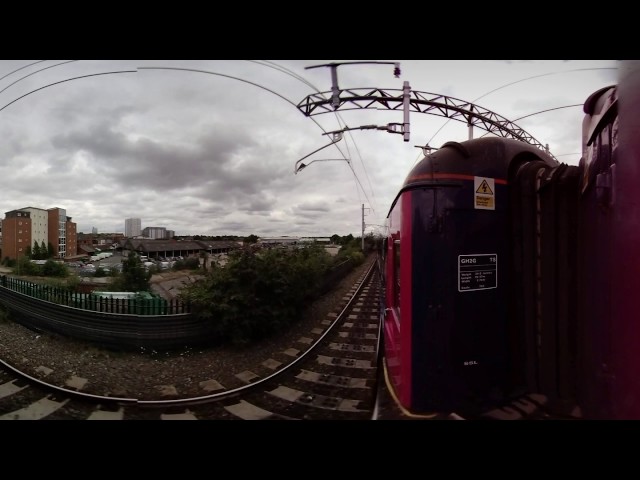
(477,272)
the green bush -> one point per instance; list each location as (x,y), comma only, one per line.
(352,251)
(191,263)
(54,269)
(258,293)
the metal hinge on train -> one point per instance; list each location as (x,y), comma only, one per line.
(605,193)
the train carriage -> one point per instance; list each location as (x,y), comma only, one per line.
(450,334)
(507,273)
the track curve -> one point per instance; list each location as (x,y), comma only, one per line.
(333,375)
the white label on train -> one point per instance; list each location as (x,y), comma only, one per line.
(484,196)
(477,272)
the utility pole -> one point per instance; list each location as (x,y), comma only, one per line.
(362,237)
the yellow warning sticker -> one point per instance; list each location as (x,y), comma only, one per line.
(484,197)
(485,202)
(484,188)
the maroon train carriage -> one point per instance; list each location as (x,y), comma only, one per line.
(451,337)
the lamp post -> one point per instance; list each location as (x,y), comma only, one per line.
(299,165)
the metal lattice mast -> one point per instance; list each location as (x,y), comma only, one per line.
(419,102)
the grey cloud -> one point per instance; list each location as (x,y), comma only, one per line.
(312,207)
(205,154)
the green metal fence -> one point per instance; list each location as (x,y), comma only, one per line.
(142,303)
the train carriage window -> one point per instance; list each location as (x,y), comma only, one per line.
(396,273)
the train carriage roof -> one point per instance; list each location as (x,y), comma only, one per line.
(482,157)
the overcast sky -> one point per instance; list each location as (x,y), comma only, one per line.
(212,152)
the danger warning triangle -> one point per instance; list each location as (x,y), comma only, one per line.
(484,188)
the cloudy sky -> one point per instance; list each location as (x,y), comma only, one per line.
(209,147)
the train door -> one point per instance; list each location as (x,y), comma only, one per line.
(459,306)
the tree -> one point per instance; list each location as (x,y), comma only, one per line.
(28,252)
(346,240)
(25,267)
(258,293)
(44,253)
(251,239)
(134,277)
(50,250)
(36,254)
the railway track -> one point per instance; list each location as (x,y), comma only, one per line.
(333,377)
(337,375)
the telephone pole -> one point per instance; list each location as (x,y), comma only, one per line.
(362,236)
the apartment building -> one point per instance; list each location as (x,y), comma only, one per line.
(24,226)
(156,233)
(39,225)
(132,227)
(71,233)
(16,233)
(62,233)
